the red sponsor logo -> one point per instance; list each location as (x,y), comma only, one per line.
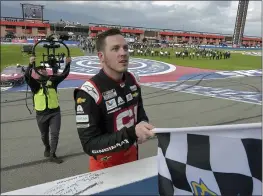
(126,117)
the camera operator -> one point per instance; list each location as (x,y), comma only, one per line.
(46,104)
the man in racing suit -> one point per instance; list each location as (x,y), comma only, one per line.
(47,107)
(109,109)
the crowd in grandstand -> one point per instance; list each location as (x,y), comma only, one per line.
(68,23)
(12,19)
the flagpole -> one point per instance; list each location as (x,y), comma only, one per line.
(232,127)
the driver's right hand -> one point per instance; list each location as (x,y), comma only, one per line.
(144,131)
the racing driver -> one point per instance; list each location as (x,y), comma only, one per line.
(110,116)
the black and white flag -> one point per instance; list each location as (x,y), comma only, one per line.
(217,160)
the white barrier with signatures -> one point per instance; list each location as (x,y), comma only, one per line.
(95,182)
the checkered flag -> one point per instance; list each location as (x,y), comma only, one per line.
(219,160)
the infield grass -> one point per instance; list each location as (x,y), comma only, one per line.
(236,62)
(12,55)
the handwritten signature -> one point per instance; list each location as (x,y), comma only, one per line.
(75,185)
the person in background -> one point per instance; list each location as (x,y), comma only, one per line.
(46,104)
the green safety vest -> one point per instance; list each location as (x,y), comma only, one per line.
(42,100)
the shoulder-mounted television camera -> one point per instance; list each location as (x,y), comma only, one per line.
(51,58)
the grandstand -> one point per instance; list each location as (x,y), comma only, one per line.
(67,27)
(26,28)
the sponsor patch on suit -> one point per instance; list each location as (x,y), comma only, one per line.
(111,104)
(80,109)
(120,101)
(109,94)
(82,126)
(129,97)
(82,118)
(135,94)
(80,100)
(133,88)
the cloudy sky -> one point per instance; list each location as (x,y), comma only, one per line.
(205,16)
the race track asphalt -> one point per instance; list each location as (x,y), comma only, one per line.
(22,161)
(253,84)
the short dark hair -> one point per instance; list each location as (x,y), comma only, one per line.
(100,43)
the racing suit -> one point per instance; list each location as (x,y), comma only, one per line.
(106,114)
(47,108)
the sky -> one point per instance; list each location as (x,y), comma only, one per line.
(202,16)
